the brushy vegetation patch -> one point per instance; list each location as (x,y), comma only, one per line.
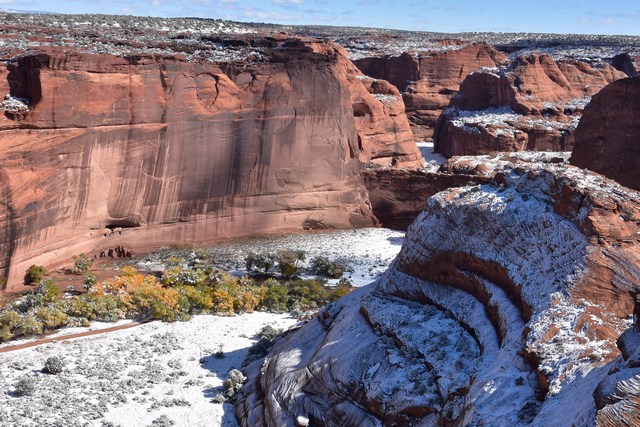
(187,286)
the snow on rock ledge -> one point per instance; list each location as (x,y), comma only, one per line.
(503,308)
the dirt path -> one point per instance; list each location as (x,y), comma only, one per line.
(69,337)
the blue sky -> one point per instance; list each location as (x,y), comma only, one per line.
(558,16)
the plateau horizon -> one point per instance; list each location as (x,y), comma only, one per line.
(612,18)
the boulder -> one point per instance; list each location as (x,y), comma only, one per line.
(608,136)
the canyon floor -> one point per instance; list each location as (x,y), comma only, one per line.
(166,373)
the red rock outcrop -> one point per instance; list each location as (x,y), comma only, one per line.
(429,80)
(533,104)
(166,150)
(625,63)
(608,136)
(503,308)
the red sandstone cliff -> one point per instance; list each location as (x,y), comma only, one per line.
(164,150)
(608,136)
(429,80)
(533,104)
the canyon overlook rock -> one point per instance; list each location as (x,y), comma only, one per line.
(533,103)
(608,136)
(100,151)
(510,304)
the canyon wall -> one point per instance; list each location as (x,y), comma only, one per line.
(428,80)
(533,103)
(510,303)
(398,196)
(139,151)
(608,136)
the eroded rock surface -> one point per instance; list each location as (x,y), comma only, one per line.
(533,103)
(503,308)
(100,151)
(608,136)
(398,196)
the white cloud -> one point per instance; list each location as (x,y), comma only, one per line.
(253,13)
(287,1)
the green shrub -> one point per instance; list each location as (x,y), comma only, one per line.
(81,264)
(28,302)
(308,294)
(29,325)
(47,288)
(276,296)
(270,333)
(89,281)
(322,266)
(82,307)
(106,308)
(262,262)
(35,274)
(197,299)
(53,366)
(51,317)
(177,276)
(5,334)
(9,318)
(288,262)
(26,386)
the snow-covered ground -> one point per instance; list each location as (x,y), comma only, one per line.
(134,377)
(432,160)
(368,251)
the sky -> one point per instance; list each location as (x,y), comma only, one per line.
(557,16)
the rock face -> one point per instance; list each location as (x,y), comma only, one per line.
(101,151)
(625,63)
(503,308)
(430,79)
(533,103)
(398,196)
(608,136)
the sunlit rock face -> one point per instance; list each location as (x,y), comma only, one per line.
(531,103)
(608,136)
(99,151)
(504,307)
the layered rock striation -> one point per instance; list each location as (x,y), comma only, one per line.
(503,308)
(533,103)
(100,151)
(608,136)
